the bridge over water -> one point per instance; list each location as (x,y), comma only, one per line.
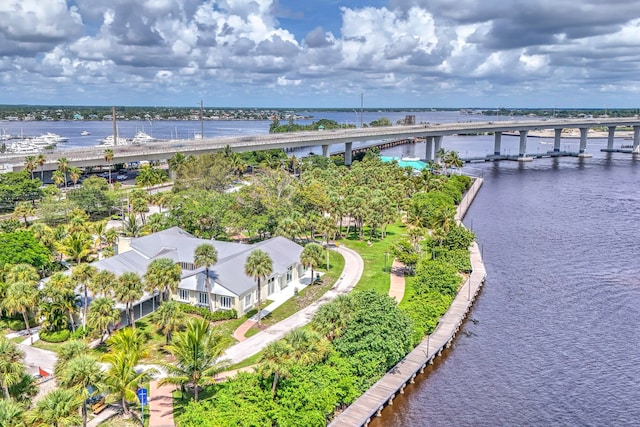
(433,133)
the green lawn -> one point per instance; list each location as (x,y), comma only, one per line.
(306,296)
(376,261)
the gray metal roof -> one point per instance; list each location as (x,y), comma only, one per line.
(227,273)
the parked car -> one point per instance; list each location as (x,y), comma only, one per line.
(122,177)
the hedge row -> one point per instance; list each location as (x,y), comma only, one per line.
(210,316)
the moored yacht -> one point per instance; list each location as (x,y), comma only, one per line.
(109,142)
(142,138)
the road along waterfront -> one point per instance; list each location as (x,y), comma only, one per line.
(554,337)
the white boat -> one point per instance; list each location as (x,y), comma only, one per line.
(108,142)
(141,138)
(52,137)
(85,133)
(22,146)
(410,159)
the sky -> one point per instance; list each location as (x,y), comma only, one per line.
(321,53)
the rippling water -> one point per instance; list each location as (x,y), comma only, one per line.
(556,342)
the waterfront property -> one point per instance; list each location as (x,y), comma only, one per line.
(231,288)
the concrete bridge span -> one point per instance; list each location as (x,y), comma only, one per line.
(433,133)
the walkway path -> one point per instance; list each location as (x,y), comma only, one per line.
(353,268)
(396,288)
(161,405)
(277,300)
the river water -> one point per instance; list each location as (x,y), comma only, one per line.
(556,331)
(554,341)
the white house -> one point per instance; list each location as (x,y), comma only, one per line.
(231,288)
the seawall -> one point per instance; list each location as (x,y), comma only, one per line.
(382,393)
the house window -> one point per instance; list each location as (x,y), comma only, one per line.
(187,265)
(247,301)
(183,294)
(225,302)
(271,286)
(203,298)
(290,273)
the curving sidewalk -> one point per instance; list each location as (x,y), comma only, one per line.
(353,268)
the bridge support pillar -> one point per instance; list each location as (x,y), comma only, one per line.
(636,139)
(583,143)
(348,154)
(436,148)
(612,133)
(556,140)
(429,153)
(497,141)
(325,151)
(522,152)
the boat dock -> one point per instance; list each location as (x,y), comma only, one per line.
(383,392)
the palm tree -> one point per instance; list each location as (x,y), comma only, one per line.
(197,351)
(169,318)
(103,283)
(259,266)
(82,374)
(58,178)
(81,276)
(128,291)
(102,314)
(30,164)
(21,297)
(11,366)
(308,347)
(205,256)
(130,226)
(331,319)
(122,380)
(311,256)
(41,160)
(68,351)
(24,210)
(163,275)
(57,408)
(108,157)
(77,245)
(275,361)
(74,174)
(22,273)
(176,162)
(59,289)
(11,414)
(63,166)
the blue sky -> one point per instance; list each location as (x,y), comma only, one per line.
(315,53)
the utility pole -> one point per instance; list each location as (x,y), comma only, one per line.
(201,121)
(115,126)
(361,106)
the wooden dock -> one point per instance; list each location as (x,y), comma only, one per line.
(382,393)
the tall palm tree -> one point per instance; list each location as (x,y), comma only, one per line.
(74,175)
(129,290)
(11,366)
(77,245)
(205,256)
(59,289)
(82,374)
(169,318)
(57,408)
(108,157)
(197,351)
(58,178)
(276,361)
(102,315)
(122,380)
(163,275)
(63,166)
(103,283)
(21,297)
(81,275)
(30,164)
(176,162)
(311,256)
(22,273)
(259,266)
(41,159)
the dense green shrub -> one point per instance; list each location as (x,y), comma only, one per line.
(425,310)
(80,332)
(458,237)
(437,275)
(458,258)
(207,314)
(18,324)
(55,337)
